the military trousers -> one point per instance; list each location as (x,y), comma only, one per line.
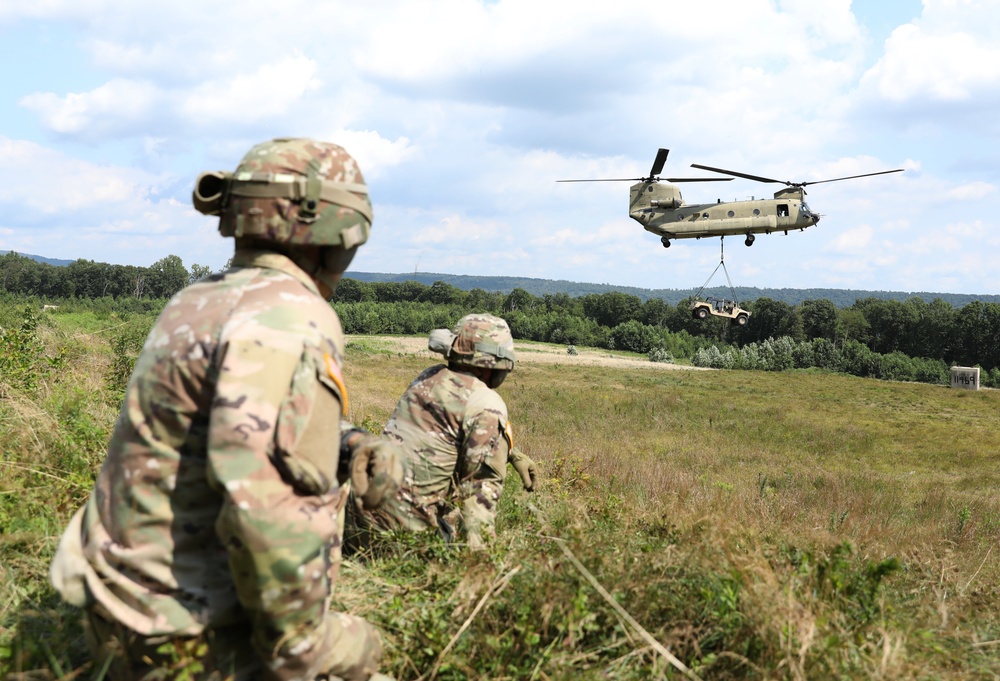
(223,654)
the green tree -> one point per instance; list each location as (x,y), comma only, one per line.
(933,333)
(165,277)
(771,319)
(977,328)
(519,300)
(441,293)
(198,272)
(612,308)
(852,325)
(484,301)
(354,291)
(819,319)
(635,336)
(890,322)
(657,312)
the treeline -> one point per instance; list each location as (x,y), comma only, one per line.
(915,328)
(25,276)
(541,287)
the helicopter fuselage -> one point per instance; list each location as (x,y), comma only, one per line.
(660,209)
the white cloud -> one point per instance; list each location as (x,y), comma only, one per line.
(47,181)
(950,54)
(269,91)
(457,231)
(75,112)
(71,208)
(971,191)
(854,240)
(374,153)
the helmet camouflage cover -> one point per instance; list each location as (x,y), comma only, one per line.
(482,340)
(290,190)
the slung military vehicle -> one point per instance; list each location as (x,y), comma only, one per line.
(660,208)
(720,307)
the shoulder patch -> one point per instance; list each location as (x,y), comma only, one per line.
(508,433)
(333,371)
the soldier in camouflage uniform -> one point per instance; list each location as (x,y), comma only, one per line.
(213,531)
(456,440)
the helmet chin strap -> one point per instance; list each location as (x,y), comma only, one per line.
(328,279)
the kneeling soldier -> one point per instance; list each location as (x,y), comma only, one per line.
(213,531)
(456,439)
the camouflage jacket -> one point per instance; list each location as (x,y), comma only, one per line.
(455,437)
(218,501)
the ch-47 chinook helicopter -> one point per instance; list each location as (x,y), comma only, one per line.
(660,208)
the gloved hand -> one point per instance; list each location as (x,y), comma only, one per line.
(525,467)
(376,468)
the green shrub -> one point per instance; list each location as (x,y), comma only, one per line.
(660,354)
(23,359)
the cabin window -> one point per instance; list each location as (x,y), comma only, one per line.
(730,213)
(704,215)
(756,211)
(783,210)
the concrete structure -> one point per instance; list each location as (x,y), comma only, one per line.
(966,378)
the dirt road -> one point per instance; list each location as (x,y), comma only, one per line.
(537,353)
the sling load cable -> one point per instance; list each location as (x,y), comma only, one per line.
(722,264)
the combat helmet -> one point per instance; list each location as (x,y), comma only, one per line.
(478,340)
(291,191)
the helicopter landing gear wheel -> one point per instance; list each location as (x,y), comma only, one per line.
(749,240)
(665,241)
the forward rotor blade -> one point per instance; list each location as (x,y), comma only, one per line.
(661,158)
(655,179)
(851,177)
(758,178)
(612,179)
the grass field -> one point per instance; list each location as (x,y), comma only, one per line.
(759,525)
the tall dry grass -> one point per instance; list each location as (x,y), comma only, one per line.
(770,526)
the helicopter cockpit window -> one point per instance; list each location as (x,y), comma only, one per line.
(805,209)
(783,210)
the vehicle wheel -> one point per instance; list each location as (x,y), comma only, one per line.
(666,242)
(701,313)
(749,240)
(741,320)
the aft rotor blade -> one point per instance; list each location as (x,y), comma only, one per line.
(697,179)
(851,177)
(661,158)
(758,178)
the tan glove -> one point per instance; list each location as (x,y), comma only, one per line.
(376,468)
(525,467)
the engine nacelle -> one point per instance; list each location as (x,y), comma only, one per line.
(654,195)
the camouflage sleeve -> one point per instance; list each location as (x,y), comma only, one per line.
(272,454)
(482,464)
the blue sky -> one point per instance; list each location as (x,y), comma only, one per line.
(463,114)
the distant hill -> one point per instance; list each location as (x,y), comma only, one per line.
(541,287)
(40,258)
